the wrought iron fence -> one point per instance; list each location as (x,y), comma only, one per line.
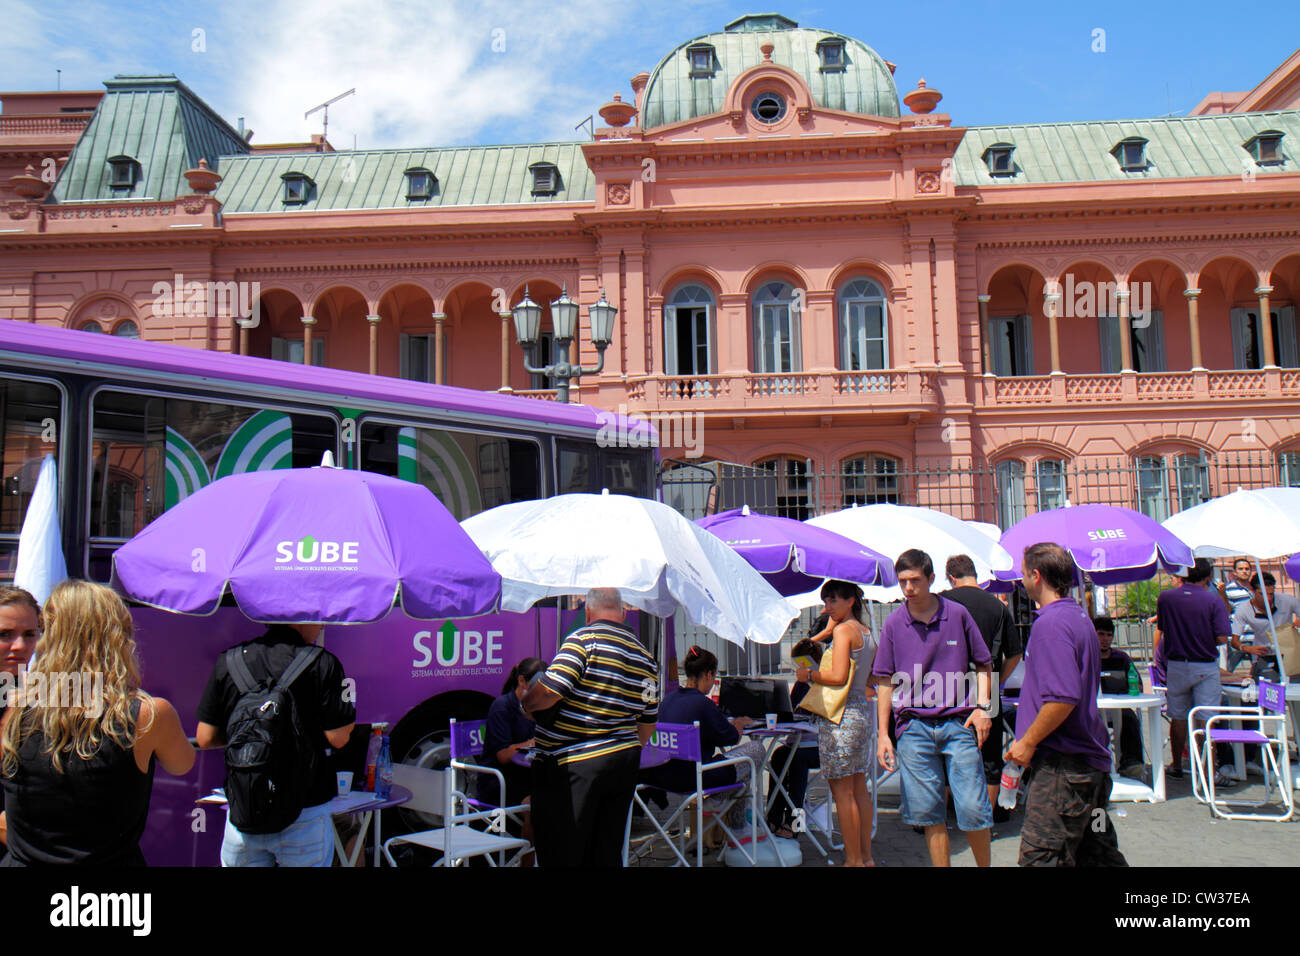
(999,493)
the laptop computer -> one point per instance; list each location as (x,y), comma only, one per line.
(756,697)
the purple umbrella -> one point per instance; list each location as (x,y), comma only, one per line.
(796,557)
(309,545)
(1292,567)
(1113,545)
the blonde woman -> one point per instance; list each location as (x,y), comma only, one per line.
(77,750)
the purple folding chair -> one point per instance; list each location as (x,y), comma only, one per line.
(682,742)
(436,792)
(1269,714)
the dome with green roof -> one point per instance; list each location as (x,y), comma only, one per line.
(841,72)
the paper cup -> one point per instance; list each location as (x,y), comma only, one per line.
(345,782)
(771,721)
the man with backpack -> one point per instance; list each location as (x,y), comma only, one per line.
(275,703)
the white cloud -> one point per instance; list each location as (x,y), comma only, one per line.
(424,74)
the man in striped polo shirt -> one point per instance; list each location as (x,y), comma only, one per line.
(605,697)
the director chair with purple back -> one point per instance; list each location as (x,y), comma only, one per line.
(682,742)
(1270,713)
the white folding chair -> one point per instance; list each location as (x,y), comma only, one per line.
(682,742)
(1270,713)
(434,791)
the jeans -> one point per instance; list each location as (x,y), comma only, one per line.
(308,841)
(927,750)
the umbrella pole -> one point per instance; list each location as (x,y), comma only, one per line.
(1272,629)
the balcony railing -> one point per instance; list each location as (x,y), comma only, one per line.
(891,388)
(1140,387)
(33,123)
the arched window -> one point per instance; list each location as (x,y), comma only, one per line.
(777,346)
(864,327)
(126,329)
(1288,469)
(688,331)
(870,480)
(1049,479)
(1179,479)
(1010,477)
(1152,487)
(789,486)
(90,325)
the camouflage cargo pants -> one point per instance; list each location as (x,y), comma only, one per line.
(1066,823)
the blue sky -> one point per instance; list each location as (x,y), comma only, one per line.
(427,73)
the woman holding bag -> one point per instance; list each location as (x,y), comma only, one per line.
(844,744)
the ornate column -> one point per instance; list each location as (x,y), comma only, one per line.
(374,321)
(1194,325)
(1125,332)
(1052,299)
(506,318)
(308,323)
(438,319)
(1266,326)
(986,359)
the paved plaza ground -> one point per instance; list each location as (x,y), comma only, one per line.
(1178,832)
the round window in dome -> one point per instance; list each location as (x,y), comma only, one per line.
(768,107)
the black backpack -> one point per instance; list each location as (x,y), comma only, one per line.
(270,763)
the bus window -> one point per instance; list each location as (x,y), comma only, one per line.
(579,469)
(29,424)
(150,452)
(588,469)
(626,474)
(468,472)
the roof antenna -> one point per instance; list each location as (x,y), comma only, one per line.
(589,122)
(58,81)
(324,132)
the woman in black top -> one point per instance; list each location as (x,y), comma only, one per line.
(507,732)
(20,629)
(77,752)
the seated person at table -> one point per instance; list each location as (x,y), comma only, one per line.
(1117,669)
(507,732)
(1250,631)
(689,704)
(802,757)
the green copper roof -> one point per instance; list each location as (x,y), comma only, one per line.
(158,122)
(864,86)
(1177,147)
(376,179)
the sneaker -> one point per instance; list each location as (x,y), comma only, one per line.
(1134,771)
(1223,779)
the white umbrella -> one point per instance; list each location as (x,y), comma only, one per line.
(657,559)
(1263,523)
(893,529)
(40,564)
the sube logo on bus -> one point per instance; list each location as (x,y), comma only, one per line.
(456,648)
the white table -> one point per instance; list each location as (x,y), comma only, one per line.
(1124,788)
(1238,695)
(792,735)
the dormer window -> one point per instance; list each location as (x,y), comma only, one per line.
(1131,153)
(546,179)
(420,183)
(998,159)
(701,58)
(122,172)
(297,188)
(832,55)
(768,107)
(1266,147)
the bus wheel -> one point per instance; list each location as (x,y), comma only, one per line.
(423,740)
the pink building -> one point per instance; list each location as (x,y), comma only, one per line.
(869,303)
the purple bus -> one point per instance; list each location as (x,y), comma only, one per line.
(136,427)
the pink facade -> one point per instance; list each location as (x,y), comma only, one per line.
(832,284)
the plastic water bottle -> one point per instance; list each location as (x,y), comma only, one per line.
(1011,773)
(1134,682)
(372,755)
(384,770)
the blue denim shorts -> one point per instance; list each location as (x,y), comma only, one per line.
(308,841)
(933,753)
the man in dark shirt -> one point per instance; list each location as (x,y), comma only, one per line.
(993,619)
(326,714)
(1060,736)
(1194,623)
(1118,676)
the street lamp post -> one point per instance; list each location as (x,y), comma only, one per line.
(564,319)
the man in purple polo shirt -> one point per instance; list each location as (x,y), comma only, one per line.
(922,667)
(1193,622)
(1060,735)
